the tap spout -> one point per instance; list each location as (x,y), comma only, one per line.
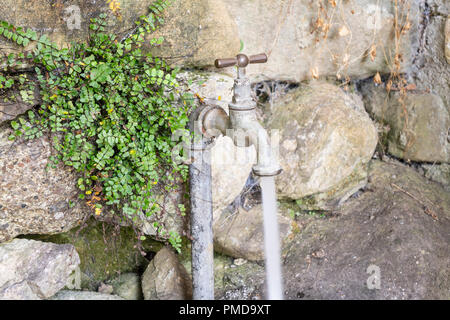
(246,131)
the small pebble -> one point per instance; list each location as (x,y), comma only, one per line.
(239,262)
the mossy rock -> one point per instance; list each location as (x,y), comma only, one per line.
(105,251)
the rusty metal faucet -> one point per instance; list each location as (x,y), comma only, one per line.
(241,125)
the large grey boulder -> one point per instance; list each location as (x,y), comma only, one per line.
(326,141)
(166,278)
(33,270)
(34,198)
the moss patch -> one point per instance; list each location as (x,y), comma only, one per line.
(105,251)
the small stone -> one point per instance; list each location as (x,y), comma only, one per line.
(239,262)
(106,289)
(166,278)
(128,286)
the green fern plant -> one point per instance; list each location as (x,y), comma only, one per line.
(111,110)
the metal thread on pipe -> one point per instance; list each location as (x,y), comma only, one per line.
(201,225)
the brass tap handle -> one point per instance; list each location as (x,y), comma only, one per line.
(241,60)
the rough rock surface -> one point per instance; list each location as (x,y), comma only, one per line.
(240,234)
(326,141)
(127,286)
(420,134)
(165,278)
(388,228)
(196,32)
(431,70)
(230,168)
(33,270)
(426,135)
(286,31)
(34,199)
(439,173)
(83,295)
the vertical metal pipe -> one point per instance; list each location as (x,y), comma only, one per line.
(201,224)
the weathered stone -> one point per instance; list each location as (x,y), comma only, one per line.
(326,141)
(34,198)
(165,278)
(196,32)
(66,22)
(33,270)
(127,286)
(105,289)
(83,295)
(240,234)
(230,168)
(439,173)
(431,70)
(425,134)
(419,123)
(388,229)
(286,31)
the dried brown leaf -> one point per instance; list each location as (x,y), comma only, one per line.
(315,73)
(377,78)
(373,52)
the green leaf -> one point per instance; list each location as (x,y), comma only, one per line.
(15,125)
